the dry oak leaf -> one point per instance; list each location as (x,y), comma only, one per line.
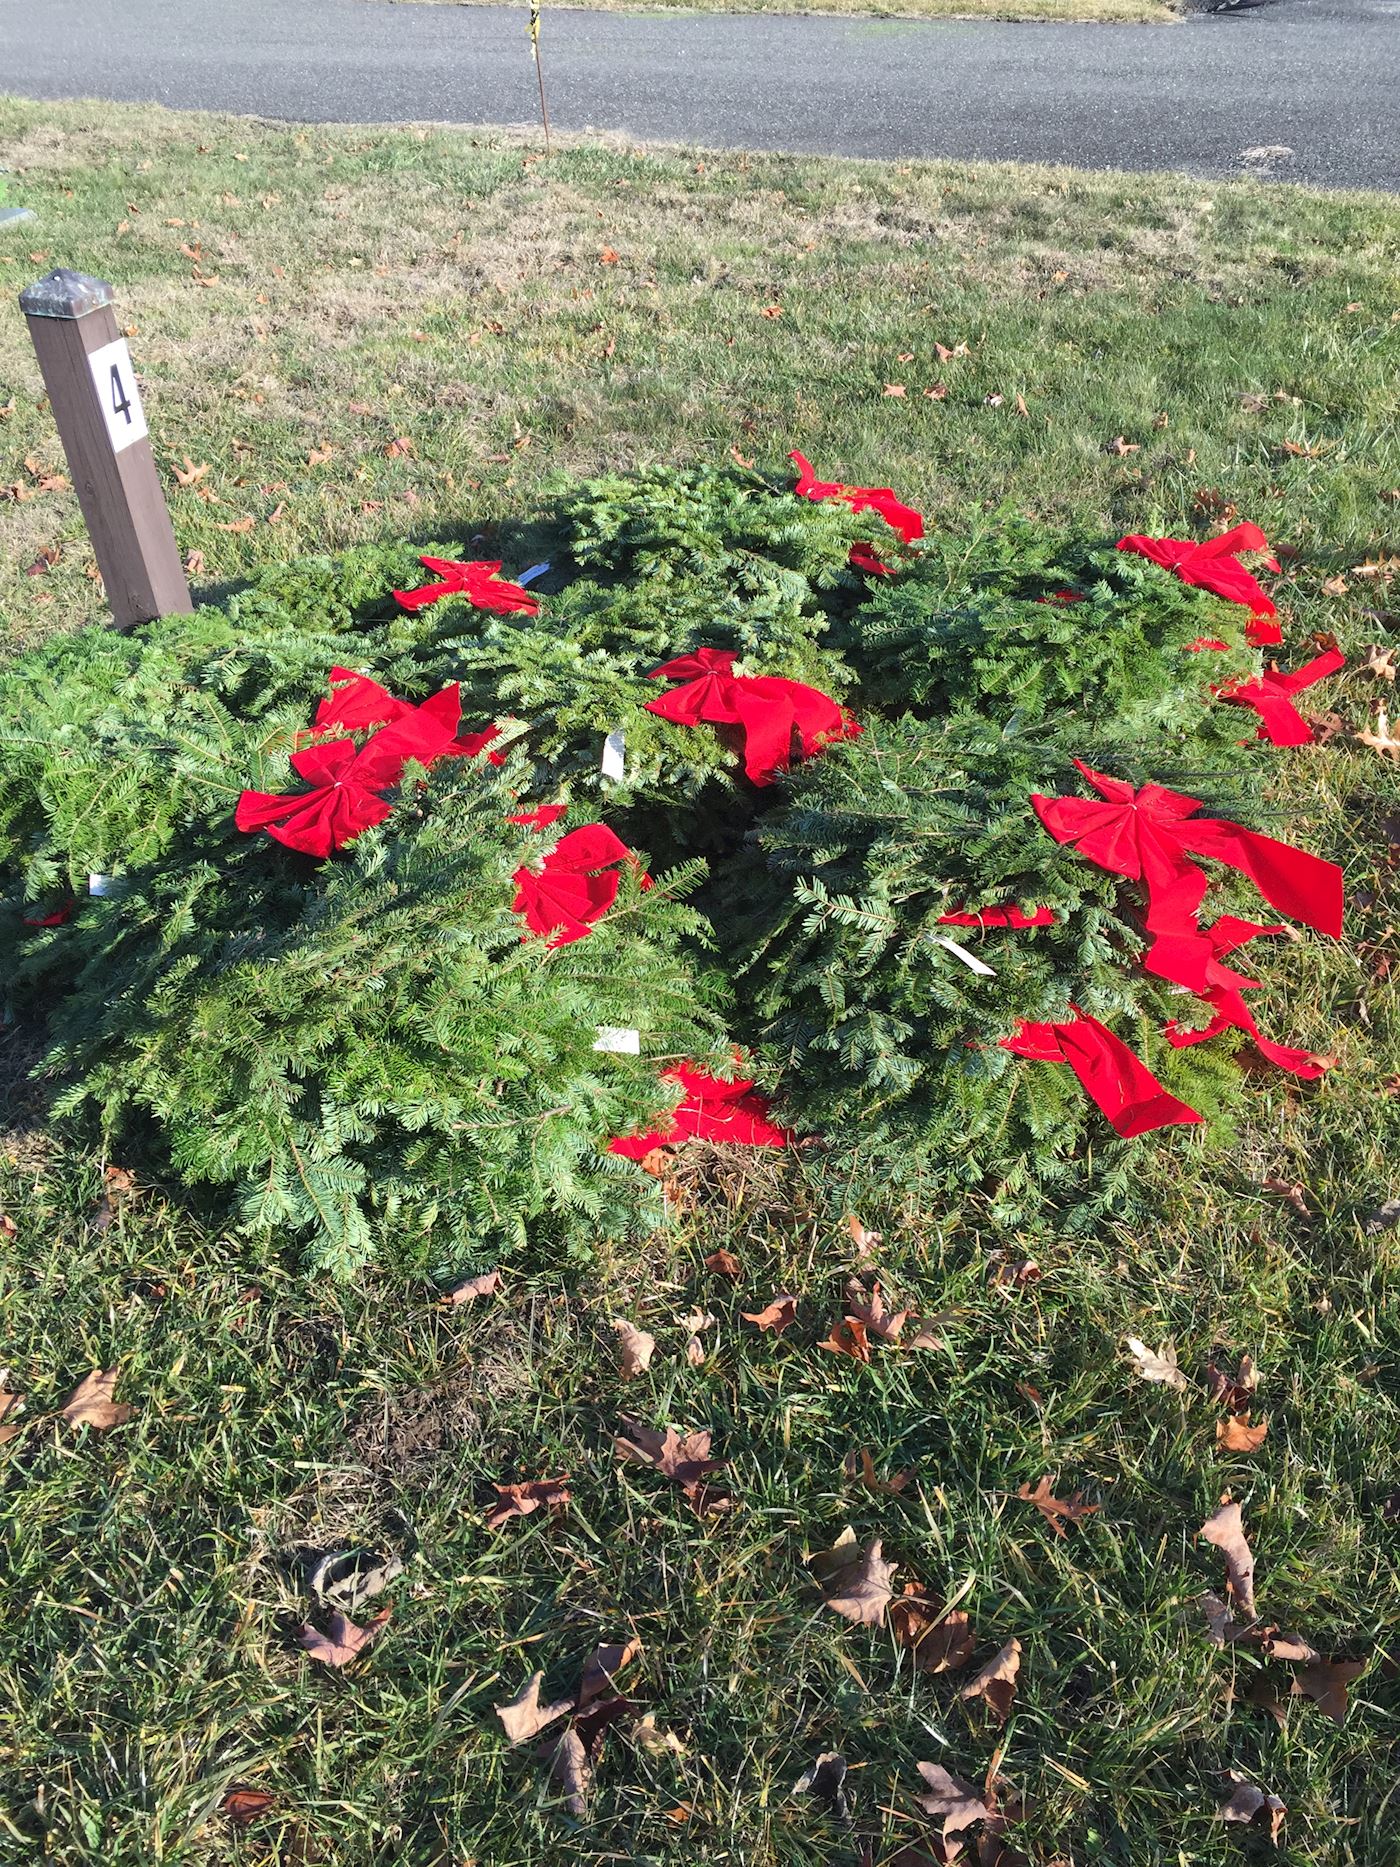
(635,1348)
(190,474)
(1057,1511)
(861,1467)
(775,1315)
(1225,1529)
(1380,740)
(569,1771)
(1237,1435)
(1009,1277)
(91,1402)
(861,1588)
(938,1642)
(1223,1628)
(243,1805)
(871,1311)
(724,1264)
(608,257)
(319,456)
(524,1717)
(245,524)
(893,388)
(343,1640)
(685,1461)
(945,355)
(864,1241)
(400,448)
(848,1337)
(826,1780)
(485,1285)
(1122,446)
(957,1803)
(771,311)
(10,1406)
(1234,1391)
(1380,662)
(1326,1685)
(602,1666)
(1245,1802)
(194,564)
(996,1682)
(551,1494)
(1156,1367)
(1292,1190)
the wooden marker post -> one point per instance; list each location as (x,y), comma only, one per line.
(92,391)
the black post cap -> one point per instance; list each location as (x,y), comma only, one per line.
(64,294)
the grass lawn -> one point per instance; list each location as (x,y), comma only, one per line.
(1129,10)
(302,304)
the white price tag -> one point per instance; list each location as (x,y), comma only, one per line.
(620,1042)
(100,885)
(613,750)
(117,394)
(968,959)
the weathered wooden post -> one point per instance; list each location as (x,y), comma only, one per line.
(92,391)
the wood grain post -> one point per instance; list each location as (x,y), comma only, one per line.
(92,391)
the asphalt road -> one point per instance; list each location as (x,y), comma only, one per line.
(1315,82)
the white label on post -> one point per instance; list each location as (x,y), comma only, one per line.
(613,755)
(117,394)
(621,1042)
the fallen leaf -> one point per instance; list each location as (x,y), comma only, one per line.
(400,448)
(848,1338)
(318,456)
(826,1780)
(524,1717)
(1234,1391)
(602,1666)
(91,1402)
(938,392)
(776,1315)
(996,1682)
(938,1642)
(724,1264)
(1380,740)
(194,564)
(1237,1435)
(945,355)
(635,1348)
(655,1740)
(1245,1802)
(861,1588)
(871,1311)
(243,1806)
(1380,662)
(1010,1275)
(608,257)
(1336,586)
(1223,1628)
(347,1580)
(685,1461)
(1382,1218)
(1326,1685)
(44,563)
(569,1771)
(245,524)
(893,388)
(484,1285)
(1156,1367)
(1122,446)
(1292,1191)
(522,1500)
(1057,1511)
(342,1640)
(953,1801)
(190,474)
(860,1466)
(11,1405)
(1225,1529)
(771,311)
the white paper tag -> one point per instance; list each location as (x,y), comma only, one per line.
(117,395)
(613,749)
(529,576)
(620,1042)
(968,959)
(100,884)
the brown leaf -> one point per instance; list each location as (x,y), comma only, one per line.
(740,460)
(826,1780)
(608,257)
(1245,1802)
(1223,1628)
(44,563)
(1326,1685)
(771,311)
(848,1338)
(400,448)
(861,1588)
(1235,1391)
(1237,1435)
(569,1771)
(938,1642)
(524,1717)
(551,1494)
(956,1802)
(1380,662)
(1156,1367)
(1057,1511)
(938,392)
(319,456)
(776,1315)
(245,524)
(945,355)
(242,1805)
(685,1461)
(893,388)
(194,564)
(1225,1529)
(871,1310)
(1292,1191)
(11,1406)
(860,1466)
(190,474)
(484,1285)
(864,1242)
(635,1348)
(1010,1275)
(996,1683)
(1381,739)
(602,1667)
(1263,1694)
(343,1640)
(724,1264)
(91,1402)
(1336,586)
(1122,446)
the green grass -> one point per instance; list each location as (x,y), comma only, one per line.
(1153,11)
(450,286)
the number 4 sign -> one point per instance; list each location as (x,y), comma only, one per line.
(117,394)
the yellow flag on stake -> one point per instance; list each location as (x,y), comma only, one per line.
(534,30)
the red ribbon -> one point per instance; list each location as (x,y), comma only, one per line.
(574,886)
(1193,960)
(478,581)
(357,702)
(768,708)
(1000,917)
(346,780)
(863,557)
(541,818)
(1271,698)
(882,499)
(1214,566)
(710,1110)
(1146,836)
(56,919)
(1118,1083)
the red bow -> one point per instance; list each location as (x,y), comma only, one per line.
(356,702)
(1146,836)
(56,919)
(347,780)
(1271,698)
(1119,1084)
(541,818)
(710,1110)
(1000,917)
(575,884)
(863,557)
(1193,960)
(1214,566)
(768,708)
(472,743)
(905,520)
(477,581)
